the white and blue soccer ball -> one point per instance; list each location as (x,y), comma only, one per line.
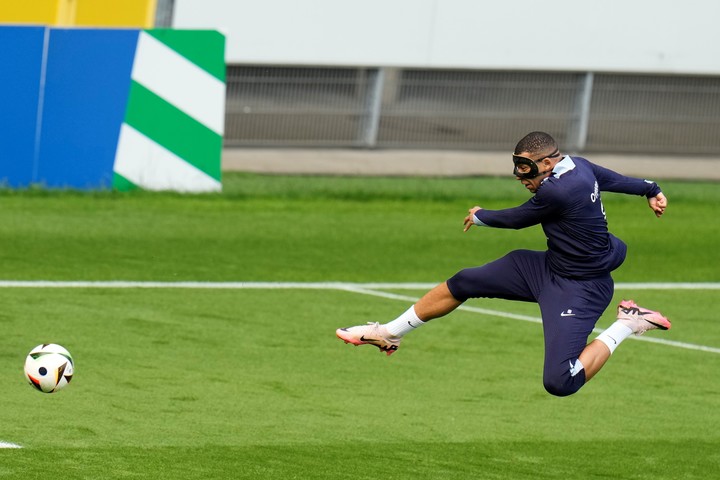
(49,367)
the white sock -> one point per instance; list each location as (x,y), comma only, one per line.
(405,323)
(616,333)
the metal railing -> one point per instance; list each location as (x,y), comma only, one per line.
(463,109)
(164,13)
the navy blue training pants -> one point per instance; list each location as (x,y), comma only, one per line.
(569,307)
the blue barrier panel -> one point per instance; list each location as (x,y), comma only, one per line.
(21,57)
(86,92)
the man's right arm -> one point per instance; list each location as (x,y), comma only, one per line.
(528,214)
(658,204)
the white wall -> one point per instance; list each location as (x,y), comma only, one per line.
(658,36)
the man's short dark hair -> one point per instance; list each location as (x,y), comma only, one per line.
(536,142)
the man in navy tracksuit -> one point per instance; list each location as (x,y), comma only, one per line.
(570,281)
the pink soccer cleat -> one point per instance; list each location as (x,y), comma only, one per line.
(640,319)
(371,334)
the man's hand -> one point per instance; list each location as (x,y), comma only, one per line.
(469,220)
(658,204)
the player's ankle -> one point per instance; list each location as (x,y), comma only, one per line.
(407,322)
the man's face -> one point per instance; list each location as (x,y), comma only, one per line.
(532,184)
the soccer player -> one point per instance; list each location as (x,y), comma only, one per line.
(570,281)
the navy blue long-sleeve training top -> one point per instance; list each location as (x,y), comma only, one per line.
(568,206)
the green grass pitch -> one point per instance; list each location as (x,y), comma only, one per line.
(248,383)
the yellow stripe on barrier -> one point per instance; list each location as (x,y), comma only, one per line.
(38,12)
(85,13)
(115,13)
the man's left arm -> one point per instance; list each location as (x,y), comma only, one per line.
(610,181)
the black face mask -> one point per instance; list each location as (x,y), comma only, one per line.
(529,167)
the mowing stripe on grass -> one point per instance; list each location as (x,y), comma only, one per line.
(301,285)
(362,288)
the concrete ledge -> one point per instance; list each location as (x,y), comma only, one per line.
(446,163)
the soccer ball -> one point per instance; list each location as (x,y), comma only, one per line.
(49,367)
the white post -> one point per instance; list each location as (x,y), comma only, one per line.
(373,108)
(578,141)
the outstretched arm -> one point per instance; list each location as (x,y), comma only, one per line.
(528,214)
(658,204)
(610,181)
